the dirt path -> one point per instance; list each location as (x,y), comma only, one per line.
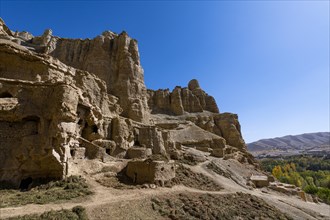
(102,195)
(105,197)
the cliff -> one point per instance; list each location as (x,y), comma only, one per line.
(63,99)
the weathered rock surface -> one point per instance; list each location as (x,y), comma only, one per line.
(180,100)
(114,59)
(259,181)
(147,171)
(72,99)
(45,107)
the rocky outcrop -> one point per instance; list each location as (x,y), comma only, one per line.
(5,32)
(114,59)
(225,125)
(181,100)
(45,106)
(148,171)
(63,100)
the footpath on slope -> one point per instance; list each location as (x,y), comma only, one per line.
(102,195)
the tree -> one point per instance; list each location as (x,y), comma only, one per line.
(277,171)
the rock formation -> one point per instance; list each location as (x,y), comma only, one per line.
(67,99)
(181,100)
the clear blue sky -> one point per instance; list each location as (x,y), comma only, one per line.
(267,61)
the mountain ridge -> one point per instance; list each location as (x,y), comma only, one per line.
(291,144)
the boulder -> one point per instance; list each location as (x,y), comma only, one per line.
(259,181)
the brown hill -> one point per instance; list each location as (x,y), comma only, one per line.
(310,143)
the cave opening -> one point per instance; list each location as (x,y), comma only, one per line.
(137,143)
(95,129)
(5,95)
(26,184)
(72,152)
(80,122)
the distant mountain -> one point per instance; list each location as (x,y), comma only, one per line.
(311,143)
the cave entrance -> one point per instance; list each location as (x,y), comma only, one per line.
(73,153)
(95,129)
(26,184)
(108,151)
(5,95)
(136,142)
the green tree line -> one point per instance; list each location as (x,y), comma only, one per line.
(312,174)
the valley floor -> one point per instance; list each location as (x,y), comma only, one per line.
(139,203)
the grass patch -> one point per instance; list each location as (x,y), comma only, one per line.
(76,213)
(55,191)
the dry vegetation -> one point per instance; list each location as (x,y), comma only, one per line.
(186,177)
(55,191)
(76,213)
(208,207)
(117,181)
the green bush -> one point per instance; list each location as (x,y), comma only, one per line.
(324,194)
(310,173)
(311,189)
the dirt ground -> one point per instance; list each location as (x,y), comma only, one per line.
(222,195)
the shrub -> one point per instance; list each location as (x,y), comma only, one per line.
(311,189)
(324,194)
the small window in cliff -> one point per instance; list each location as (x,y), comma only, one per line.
(72,152)
(108,151)
(136,143)
(31,118)
(95,129)
(5,95)
(25,184)
(135,177)
(80,122)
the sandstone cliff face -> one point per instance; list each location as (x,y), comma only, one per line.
(45,106)
(114,59)
(63,99)
(181,100)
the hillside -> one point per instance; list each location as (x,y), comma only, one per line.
(310,143)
